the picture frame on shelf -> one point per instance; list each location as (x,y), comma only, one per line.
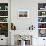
(42,33)
(6,7)
(41,6)
(41,13)
(3,6)
(3,19)
(4,29)
(41,19)
(3,13)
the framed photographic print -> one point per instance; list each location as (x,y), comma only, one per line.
(23,13)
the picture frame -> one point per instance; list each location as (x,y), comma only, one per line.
(42,33)
(22,13)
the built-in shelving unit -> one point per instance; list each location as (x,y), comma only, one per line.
(42,19)
(4,19)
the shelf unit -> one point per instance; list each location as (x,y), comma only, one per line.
(42,19)
(41,10)
(3,10)
(4,19)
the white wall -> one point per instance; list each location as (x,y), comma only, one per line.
(24,23)
(32,6)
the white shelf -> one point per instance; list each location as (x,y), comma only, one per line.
(3,10)
(3,16)
(41,10)
(3,22)
(41,22)
(41,28)
(42,16)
